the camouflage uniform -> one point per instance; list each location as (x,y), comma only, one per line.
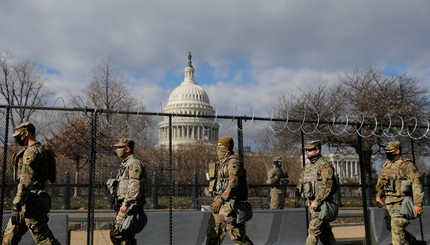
(397,174)
(131,192)
(230,186)
(276,176)
(316,183)
(31,172)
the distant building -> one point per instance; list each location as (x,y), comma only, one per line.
(347,167)
(191,99)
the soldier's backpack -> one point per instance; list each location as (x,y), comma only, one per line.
(329,211)
(52,164)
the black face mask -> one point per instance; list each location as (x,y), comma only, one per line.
(313,158)
(390,155)
(19,141)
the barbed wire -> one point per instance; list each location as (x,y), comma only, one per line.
(365,125)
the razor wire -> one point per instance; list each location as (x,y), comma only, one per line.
(391,129)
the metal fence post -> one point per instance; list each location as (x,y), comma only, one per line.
(171,182)
(111,199)
(66,195)
(414,161)
(3,179)
(426,184)
(337,199)
(302,200)
(91,177)
(154,191)
(194,193)
(240,141)
(364,187)
(369,190)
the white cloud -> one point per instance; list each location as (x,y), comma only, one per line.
(283,43)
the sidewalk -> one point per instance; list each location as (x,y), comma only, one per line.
(342,232)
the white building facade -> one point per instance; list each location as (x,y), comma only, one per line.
(191,99)
(347,166)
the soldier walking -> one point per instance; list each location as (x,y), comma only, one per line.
(129,189)
(31,204)
(276,176)
(316,184)
(229,186)
(398,180)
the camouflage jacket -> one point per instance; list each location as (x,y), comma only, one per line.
(132,179)
(399,178)
(317,177)
(275,175)
(231,179)
(31,171)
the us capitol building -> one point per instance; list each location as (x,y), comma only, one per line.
(188,98)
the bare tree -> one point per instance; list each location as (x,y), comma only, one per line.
(366,97)
(107,90)
(21,84)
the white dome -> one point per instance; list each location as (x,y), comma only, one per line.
(188,92)
(190,99)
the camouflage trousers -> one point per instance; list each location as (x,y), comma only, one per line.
(396,223)
(319,229)
(224,222)
(277,199)
(38,228)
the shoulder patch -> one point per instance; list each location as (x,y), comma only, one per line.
(233,166)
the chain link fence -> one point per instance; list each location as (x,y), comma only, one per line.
(82,139)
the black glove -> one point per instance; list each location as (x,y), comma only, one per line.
(15,217)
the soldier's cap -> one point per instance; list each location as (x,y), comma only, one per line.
(277,159)
(227,141)
(392,145)
(313,144)
(22,127)
(125,142)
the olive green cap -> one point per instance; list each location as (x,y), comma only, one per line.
(125,142)
(313,144)
(22,127)
(392,145)
(227,141)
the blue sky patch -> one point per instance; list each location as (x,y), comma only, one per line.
(396,69)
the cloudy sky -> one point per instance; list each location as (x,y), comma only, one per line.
(247,53)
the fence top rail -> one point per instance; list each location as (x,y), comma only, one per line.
(234,117)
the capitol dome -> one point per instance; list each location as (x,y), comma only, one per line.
(188,98)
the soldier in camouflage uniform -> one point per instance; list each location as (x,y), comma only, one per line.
(229,186)
(31,172)
(316,184)
(398,179)
(276,176)
(129,189)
